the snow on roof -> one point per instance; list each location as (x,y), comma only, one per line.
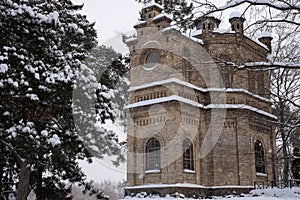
(162,100)
(265,34)
(235,14)
(196,32)
(161,15)
(151,4)
(140,22)
(240,106)
(198,105)
(173,27)
(222,31)
(180,82)
(130,39)
(257,42)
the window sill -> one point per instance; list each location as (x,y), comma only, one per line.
(154,171)
(189,171)
(261,174)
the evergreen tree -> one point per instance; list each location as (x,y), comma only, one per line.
(51,104)
(109,66)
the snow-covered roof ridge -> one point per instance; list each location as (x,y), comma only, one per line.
(240,106)
(198,105)
(139,22)
(164,99)
(151,4)
(161,15)
(257,42)
(181,82)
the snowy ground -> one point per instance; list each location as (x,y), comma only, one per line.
(263,194)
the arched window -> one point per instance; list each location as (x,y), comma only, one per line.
(153,154)
(259,157)
(188,157)
(152,59)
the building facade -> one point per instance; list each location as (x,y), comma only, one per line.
(197,123)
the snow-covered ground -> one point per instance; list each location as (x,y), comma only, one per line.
(259,194)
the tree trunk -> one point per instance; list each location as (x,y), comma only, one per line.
(286,165)
(39,187)
(23,186)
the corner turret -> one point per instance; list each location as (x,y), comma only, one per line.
(266,38)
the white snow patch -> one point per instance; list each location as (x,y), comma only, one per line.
(189,171)
(161,15)
(139,23)
(44,133)
(130,39)
(33,97)
(6,113)
(55,140)
(261,174)
(197,32)
(3,68)
(265,34)
(151,4)
(164,99)
(152,171)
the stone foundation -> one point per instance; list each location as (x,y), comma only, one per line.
(189,191)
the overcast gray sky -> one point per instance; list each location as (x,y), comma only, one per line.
(111,16)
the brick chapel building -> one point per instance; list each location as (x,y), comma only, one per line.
(196,123)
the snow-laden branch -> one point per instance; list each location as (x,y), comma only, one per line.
(270,66)
(279,5)
(283,20)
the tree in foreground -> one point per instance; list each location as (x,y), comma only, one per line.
(51,104)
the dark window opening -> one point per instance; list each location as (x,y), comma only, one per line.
(188,158)
(259,157)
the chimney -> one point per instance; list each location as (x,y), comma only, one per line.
(266,38)
(237,22)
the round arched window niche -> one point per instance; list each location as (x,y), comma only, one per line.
(152,60)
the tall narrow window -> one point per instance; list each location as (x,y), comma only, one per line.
(153,154)
(188,158)
(259,157)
